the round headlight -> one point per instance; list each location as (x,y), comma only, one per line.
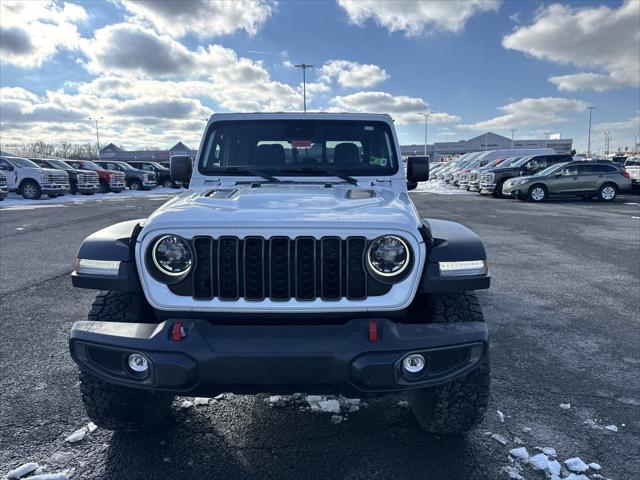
(171,254)
(388,256)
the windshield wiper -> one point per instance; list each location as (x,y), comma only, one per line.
(324,171)
(255,173)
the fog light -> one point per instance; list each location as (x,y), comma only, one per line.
(413,363)
(138,363)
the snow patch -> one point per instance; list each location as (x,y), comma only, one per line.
(22,470)
(576,464)
(500,416)
(499,438)
(77,435)
(199,401)
(186,404)
(539,461)
(565,406)
(611,428)
(519,453)
(439,187)
(594,466)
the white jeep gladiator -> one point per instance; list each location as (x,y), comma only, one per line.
(296,262)
(31,181)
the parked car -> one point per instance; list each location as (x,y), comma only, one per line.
(316,274)
(136,179)
(585,179)
(453,176)
(85,182)
(4,191)
(448,174)
(632,166)
(474,175)
(31,181)
(163,174)
(464,178)
(491,180)
(110,180)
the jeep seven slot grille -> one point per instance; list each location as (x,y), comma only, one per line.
(279,268)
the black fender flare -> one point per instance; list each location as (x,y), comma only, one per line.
(115,243)
(451,242)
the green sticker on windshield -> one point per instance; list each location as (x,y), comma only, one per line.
(380,161)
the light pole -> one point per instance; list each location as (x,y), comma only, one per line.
(589,137)
(606,142)
(513,130)
(635,143)
(426,131)
(97,133)
(304,67)
(546,137)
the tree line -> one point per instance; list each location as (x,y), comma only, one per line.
(75,151)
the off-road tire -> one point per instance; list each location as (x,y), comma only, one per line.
(135,185)
(111,406)
(458,406)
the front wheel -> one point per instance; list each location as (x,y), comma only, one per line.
(135,185)
(607,192)
(537,193)
(31,190)
(167,183)
(460,405)
(111,406)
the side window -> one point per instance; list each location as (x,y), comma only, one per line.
(606,169)
(4,165)
(213,153)
(587,169)
(570,171)
(536,163)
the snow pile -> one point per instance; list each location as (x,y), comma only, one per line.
(439,187)
(82,432)
(23,470)
(340,407)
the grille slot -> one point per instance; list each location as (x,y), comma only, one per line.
(279,268)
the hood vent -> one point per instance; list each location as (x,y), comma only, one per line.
(360,193)
(220,193)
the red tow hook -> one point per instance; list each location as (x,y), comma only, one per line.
(373,331)
(177,331)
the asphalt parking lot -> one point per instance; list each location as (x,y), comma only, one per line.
(563,312)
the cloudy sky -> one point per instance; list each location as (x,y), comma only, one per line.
(154,70)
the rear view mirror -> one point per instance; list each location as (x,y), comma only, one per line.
(181,167)
(417,169)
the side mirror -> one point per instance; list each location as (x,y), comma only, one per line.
(417,169)
(181,167)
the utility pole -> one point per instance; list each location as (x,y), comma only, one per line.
(589,137)
(606,142)
(513,130)
(635,143)
(97,133)
(426,131)
(304,67)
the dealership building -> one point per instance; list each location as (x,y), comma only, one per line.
(486,141)
(113,152)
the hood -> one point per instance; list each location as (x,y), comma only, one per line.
(514,179)
(52,171)
(287,206)
(85,172)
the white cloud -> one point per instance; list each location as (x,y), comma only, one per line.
(600,37)
(351,74)
(204,18)
(415,17)
(633,124)
(585,81)
(530,112)
(402,108)
(33,32)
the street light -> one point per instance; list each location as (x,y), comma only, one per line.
(589,140)
(513,130)
(426,131)
(606,134)
(304,67)
(97,133)
(546,137)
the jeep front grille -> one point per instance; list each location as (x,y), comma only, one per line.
(279,268)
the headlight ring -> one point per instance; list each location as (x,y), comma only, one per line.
(388,258)
(170,257)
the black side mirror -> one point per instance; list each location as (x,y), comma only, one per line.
(417,169)
(181,167)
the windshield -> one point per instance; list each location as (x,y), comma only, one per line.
(22,162)
(88,165)
(522,161)
(298,147)
(59,164)
(124,166)
(549,170)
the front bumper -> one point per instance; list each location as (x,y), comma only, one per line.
(487,187)
(213,358)
(54,188)
(88,187)
(149,184)
(474,186)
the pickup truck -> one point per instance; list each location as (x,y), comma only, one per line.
(136,179)
(632,166)
(109,180)
(3,186)
(32,181)
(85,182)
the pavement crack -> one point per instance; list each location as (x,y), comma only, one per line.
(35,285)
